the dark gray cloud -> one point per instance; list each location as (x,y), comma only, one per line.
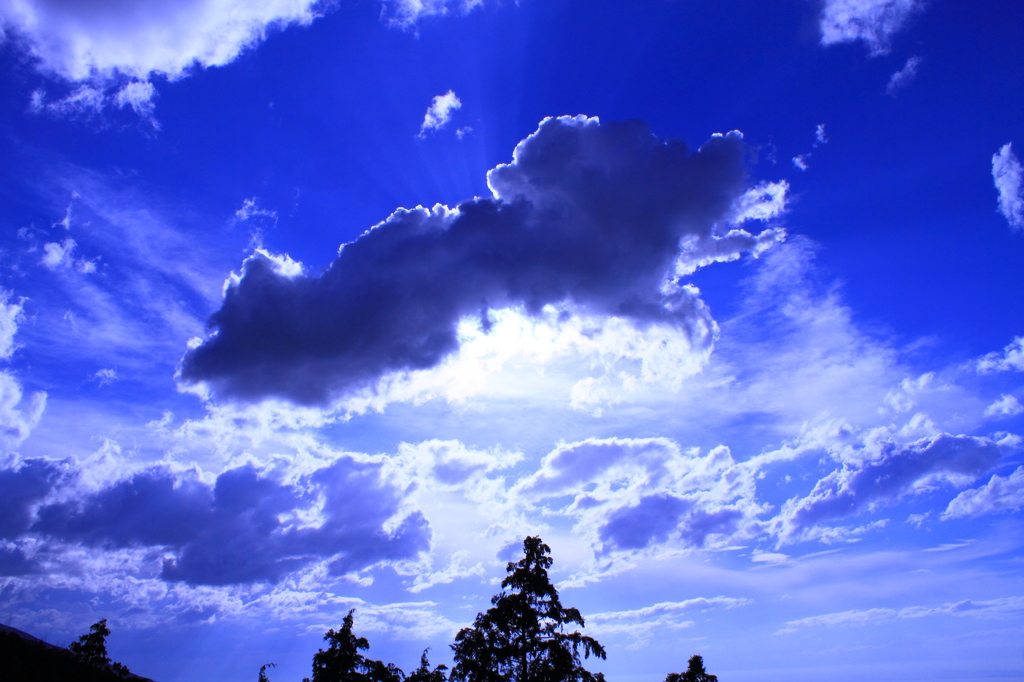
(593,216)
(245,527)
(22,487)
(651,520)
(894,471)
(659,518)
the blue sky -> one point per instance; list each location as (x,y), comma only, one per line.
(317,306)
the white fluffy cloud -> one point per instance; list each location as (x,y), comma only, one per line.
(440,112)
(18,416)
(1006,406)
(10,312)
(81,40)
(1008,175)
(999,494)
(1011,359)
(873,21)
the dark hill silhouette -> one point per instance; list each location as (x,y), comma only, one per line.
(29,659)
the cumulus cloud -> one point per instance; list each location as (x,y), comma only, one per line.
(439,113)
(873,21)
(23,485)
(904,76)
(885,472)
(1006,406)
(588,217)
(1008,175)
(999,494)
(631,494)
(1011,359)
(248,526)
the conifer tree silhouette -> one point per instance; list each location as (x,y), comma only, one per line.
(343,662)
(522,637)
(695,672)
(424,672)
(91,649)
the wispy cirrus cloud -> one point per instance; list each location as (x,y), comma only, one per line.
(640,624)
(904,76)
(406,13)
(990,608)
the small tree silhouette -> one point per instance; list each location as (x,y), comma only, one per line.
(263,672)
(695,672)
(424,673)
(522,637)
(342,662)
(91,649)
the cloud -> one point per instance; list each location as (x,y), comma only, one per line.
(886,472)
(873,21)
(640,624)
(406,13)
(588,218)
(105,376)
(10,314)
(23,485)
(991,608)
(819,134)
(18,416)
(131,287)
(800,161)
(1006,406)
(999,494)
(904,76)
(1011,359)
(632,494)
(440,112)
(1008,175)
(249,526)
(81,41)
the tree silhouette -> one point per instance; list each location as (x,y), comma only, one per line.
(342,662)
(424,672)
(91,649)
(522,637)
(695,672)
(263,672)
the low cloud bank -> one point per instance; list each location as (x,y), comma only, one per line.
(249,526)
